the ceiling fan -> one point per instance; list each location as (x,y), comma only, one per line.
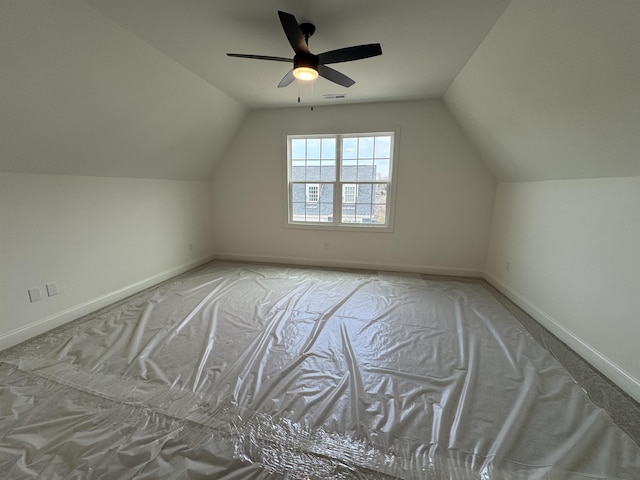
(306,65)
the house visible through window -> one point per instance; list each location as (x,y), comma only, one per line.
(313,192)
(340,180)
(349,192)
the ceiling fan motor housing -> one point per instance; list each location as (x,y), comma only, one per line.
(305,60)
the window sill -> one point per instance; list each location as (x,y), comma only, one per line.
(368,228)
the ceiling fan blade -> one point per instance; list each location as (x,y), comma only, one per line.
(335,76)
(293,32)
(287,79)
(260,57)
(350,53)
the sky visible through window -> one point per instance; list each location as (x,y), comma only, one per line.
(356,151)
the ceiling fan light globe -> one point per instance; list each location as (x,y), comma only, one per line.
(305,73)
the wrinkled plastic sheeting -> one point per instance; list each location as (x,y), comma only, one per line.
(252,371)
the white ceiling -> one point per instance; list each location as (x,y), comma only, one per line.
(425,43)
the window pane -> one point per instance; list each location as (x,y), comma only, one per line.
(329,148)
(313,148)
(326,212)
(350,147)
(383,147)
(350,162)
(349,193)
(312,212)
(297,172)
(298,163)
(380,193)
(365,193)
(365,147)
(349,172)
(326,203)
(382,170)
(312,173)
(326,193)
(328,173)
(313,193)
(348,213)
(312,203)
(363,212)
(298,149)
(370,203)
(299,193)
(379,214)
(365,170)
(298,212)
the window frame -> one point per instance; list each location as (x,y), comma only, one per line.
(338,183)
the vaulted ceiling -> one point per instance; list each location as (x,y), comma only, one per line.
(143,88)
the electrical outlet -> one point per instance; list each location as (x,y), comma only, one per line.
(34,294)
(191,247)
(52,289)
(507,266)
(327,245)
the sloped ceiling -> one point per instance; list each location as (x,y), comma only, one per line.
(143,88)
(553,92)
(80,95)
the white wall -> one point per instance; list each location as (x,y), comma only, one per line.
(443,204)
(99,239)
(574,253)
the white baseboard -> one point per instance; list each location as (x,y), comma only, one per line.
(606,366)
(52,321)
(322,262)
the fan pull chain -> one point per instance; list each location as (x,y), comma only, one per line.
(310,90)
(312,84)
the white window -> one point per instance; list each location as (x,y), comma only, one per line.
(341,181)
(313,192)
(349,192)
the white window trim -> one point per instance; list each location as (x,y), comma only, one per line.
(336,225)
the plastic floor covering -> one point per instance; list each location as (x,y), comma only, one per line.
(243,371)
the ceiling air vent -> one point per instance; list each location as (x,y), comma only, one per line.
(334,96)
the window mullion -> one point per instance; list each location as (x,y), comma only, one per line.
(337,189)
